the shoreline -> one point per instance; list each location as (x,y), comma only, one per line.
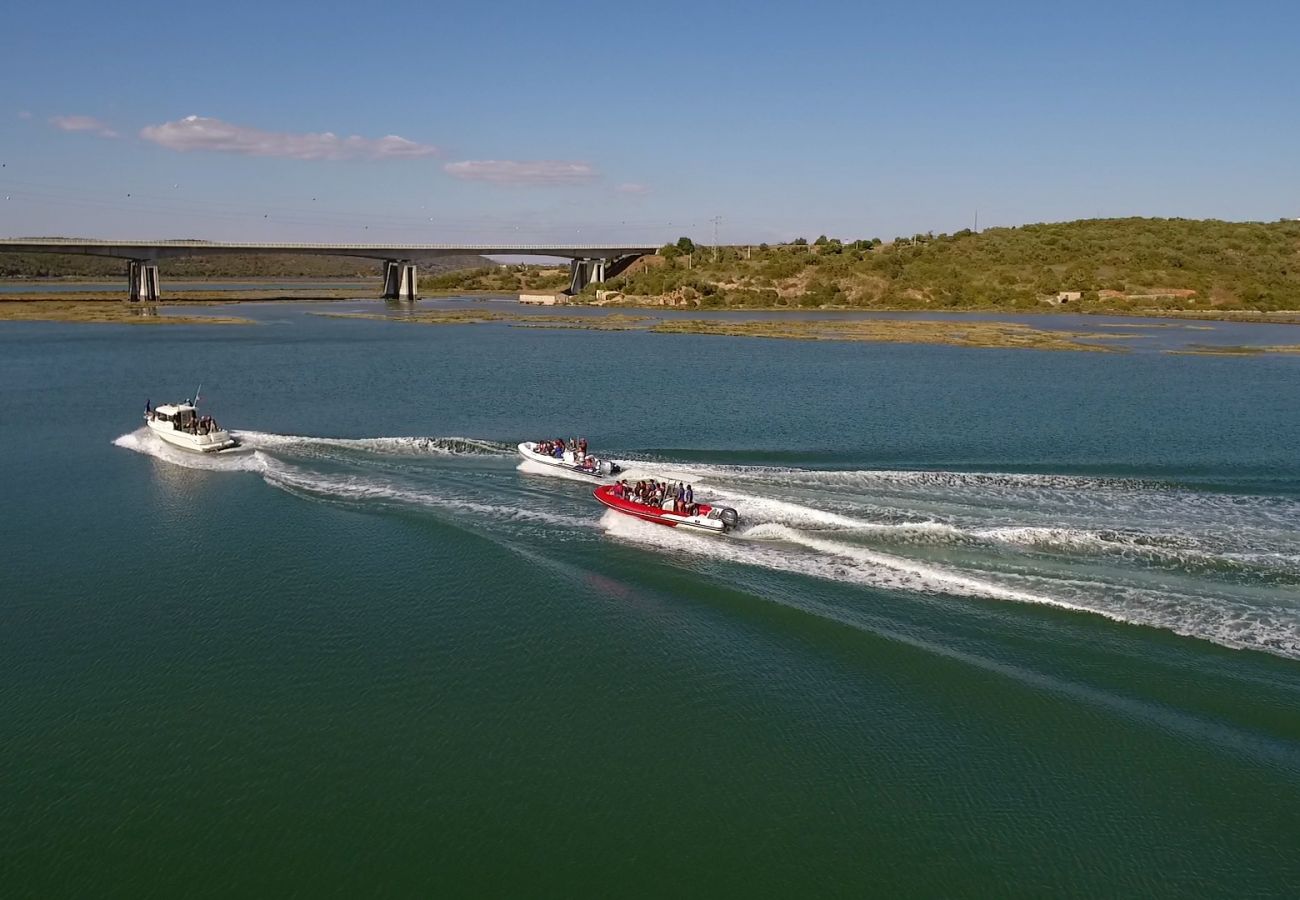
(346,292)
(958,328)
(989,335)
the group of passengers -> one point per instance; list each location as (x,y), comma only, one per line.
(675,496)
(557,448)
(197,425)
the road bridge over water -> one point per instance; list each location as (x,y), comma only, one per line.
(587,263)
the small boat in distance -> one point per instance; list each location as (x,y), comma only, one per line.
(698,517)
(570,459)
(180,425)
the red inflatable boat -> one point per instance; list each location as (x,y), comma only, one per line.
(713,519)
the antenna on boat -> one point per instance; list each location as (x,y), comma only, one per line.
(196,394)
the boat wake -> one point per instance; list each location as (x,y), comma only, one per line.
(1220,567)
(357,487)
(391,446)
(142,440)
(1216,566)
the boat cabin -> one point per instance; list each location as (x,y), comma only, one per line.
(182,415)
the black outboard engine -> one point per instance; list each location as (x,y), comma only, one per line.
(729,517)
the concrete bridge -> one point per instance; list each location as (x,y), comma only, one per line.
(587,264)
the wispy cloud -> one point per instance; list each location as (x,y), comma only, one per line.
(83,123)
(631,187)
(202,133)
(506,171)
(24,114)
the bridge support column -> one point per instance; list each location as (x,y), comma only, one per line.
(401,281)
(583,272)
(142,280)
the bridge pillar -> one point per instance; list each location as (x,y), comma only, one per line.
(142,280)
(583,272)
(401,281)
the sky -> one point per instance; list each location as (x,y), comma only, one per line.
(521,122)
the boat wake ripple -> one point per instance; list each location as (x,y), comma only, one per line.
(1219,567)
(390,446)
(356,488)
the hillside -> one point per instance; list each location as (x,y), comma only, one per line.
(50,265)
(1116,264)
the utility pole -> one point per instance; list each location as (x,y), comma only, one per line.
(977,221)
(716,220)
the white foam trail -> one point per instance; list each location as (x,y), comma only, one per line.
(763,510)
(910,477)
(1068,496)
(142,440)
(1215,567)
(1230,623)
(397,446)
(1158,542)
(354,488)
(851,563)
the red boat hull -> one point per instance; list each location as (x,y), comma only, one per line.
(606,496)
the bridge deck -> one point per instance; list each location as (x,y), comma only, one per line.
(154,250)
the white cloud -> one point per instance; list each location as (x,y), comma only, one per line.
(631,187)
(214,135)
(24,114)
(82,123)
(506,171)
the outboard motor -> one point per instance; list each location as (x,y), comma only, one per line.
(729,517)
(605,467)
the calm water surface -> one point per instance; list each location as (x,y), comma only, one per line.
(997,623)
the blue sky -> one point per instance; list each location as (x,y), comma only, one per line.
(519,122)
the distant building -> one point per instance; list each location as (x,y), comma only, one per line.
(544,298)
(1069,296)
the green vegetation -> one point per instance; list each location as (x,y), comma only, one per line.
(498,279)
(1197,268)
(1212,268)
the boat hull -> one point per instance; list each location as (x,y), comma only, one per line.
(214,442)
(707,521)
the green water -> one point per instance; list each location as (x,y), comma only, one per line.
(996,623)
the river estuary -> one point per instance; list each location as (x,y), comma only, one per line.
(995,623)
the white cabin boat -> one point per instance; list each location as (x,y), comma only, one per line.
(179,424)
